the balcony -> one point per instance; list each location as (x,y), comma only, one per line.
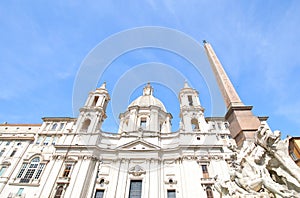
(63,180)
(208,180)
(16,195)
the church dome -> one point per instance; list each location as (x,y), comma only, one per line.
(147,99)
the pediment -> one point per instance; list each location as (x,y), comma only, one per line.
(140,145)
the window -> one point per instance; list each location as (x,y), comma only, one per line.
(19,143)
(59,192)
(171,194)
(209,192)
(99,193)
(135,190)
(205,171)
(61,126)
(30,170)
(67,170)
(39,171)
(101,182)
(190,99)
(226,125)
(13,153)
(204,168)
(47,140)
(47,126)
(39,140)
(24,165)
(54,140)
(54,127)
(7,143)
(195,124)
(294,156)
(2,170)
(95,101)
(86,124)
(213,126)
(19,193)
(143,123)
(1,152)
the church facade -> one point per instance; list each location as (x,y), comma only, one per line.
(232,156)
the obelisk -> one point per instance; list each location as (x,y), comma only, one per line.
(242,123)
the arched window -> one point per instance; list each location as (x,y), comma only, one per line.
(59,192)
(86,125)
(190,99)
(226,125)
(102,182)
(143,123)
(209,192)
(31,171)
(95,101)
(61,126)
(195,124)
(54,126)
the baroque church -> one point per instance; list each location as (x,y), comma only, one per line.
(232,156)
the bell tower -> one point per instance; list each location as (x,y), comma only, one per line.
(93,113)
(191,111)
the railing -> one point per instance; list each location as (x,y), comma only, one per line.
(209,180)
(16,195)
(24,180)
(65,180)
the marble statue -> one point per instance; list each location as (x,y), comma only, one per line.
(262,168)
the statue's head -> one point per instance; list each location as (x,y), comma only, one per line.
(258,154)
(277,133)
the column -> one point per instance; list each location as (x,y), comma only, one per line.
(243,124)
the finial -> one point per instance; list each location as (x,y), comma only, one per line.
(148,90)
(186,85)
(204,41)
(103,86)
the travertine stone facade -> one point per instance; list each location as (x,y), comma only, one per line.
(73,157)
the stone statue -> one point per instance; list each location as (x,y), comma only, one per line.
(262,168)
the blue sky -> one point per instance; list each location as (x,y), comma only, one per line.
(43,44)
